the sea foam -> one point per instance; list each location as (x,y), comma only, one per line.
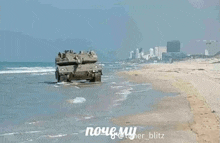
(57,136)
(77,100)
(20,70)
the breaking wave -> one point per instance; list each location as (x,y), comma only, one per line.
(57,136)
(117,87)
(23,70)
(77,100)
(16,133)
(125,91)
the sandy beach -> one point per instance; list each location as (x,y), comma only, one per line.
(191,116)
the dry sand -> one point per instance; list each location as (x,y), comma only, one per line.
(193,115)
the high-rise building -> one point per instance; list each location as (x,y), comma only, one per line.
(151,50)
(159,51)
(206,52)
(156,50)
(131,56)
(137,54)
(173,46)
(141,50)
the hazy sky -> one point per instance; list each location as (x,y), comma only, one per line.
(111,27)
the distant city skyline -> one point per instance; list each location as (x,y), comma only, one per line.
(173,52)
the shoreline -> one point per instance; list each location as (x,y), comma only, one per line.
(192,115)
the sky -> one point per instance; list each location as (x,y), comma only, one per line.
(36,30)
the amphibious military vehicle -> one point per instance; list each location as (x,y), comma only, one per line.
(81,66)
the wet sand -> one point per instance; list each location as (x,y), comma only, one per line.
(193,115)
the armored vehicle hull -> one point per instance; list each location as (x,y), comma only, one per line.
(82,66)
(91,72)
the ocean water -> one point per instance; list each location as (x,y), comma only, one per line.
(35,108)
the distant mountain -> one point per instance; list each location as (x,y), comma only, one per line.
(16,46)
